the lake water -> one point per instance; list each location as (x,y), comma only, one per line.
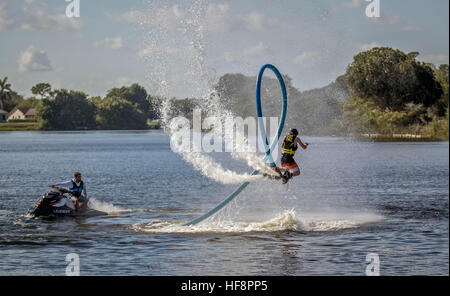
(352,199)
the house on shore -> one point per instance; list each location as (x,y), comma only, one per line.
(3,116)
(22,113)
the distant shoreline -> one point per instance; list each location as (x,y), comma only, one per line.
(399,138)
(34,126)
(21,127)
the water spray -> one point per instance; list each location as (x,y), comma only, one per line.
(268,157)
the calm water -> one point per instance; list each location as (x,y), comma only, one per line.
(352,199)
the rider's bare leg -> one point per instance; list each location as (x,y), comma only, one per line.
(84,205)
(75,203)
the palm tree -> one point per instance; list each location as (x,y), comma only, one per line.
(5,91)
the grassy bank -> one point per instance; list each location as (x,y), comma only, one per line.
(400,138)
(34,126)
(19,126)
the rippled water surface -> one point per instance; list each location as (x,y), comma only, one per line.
(351,200)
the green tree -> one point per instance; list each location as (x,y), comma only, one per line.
(95,100)
(182,107)
(68,110)
(136,95)
(362,115)
(13,100)
(119,114)
(393,78)
(441,75)
(42,89)
(30,103)
(5,92)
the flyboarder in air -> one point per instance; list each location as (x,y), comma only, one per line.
(289,167)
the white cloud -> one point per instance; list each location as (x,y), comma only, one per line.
(154,50)
(34,60)
(251,51)
(172,18)
(229,57)
(255,50)
(393,19)
(217,18)
(410,27)
(50,22)
(123,81)
(5,20)
(131,16)
(308,58)
(397,21)
(367,46)
(35,16)
(111,43)
(254,21)
(353,4)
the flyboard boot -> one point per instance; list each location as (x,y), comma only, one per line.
(286,176)
(272,177)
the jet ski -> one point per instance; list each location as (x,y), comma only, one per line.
(58,203)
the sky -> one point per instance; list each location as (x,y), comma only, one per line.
(115,43)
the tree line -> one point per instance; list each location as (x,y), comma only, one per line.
(383,90)
(392,92)
(121,108)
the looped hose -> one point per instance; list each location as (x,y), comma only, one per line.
(262,131)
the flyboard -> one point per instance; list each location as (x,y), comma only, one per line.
(268,157)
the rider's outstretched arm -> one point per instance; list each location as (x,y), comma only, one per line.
(303,145)
(63,184)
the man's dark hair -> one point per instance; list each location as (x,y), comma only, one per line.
(294,131)
(76,174)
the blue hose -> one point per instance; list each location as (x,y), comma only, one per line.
(262,130)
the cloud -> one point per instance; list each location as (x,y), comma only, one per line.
(34,60)
(123,80)
(436,59)
(392,19)
(255,50)
(153,50)
(216,18)
(255,21)
(172,18)
(35,16)
(251,51)
(367,46)
(111,43)
(229,57)
(395,20)
(352,4)
(131,16)
(308,58)
(410,26)
(5,20)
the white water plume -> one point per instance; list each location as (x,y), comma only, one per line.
(176,51)
(105,207)
(288,220)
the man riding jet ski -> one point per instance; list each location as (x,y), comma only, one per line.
(78,190)
(62,202)
(56,203)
